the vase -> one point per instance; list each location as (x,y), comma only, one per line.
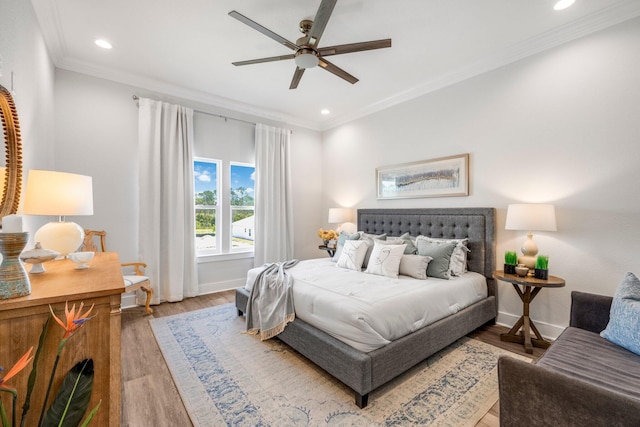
(14,280)
(541,274)
(510,269)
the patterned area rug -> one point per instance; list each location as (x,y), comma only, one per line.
(228,378)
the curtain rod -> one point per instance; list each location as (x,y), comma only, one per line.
(136,98)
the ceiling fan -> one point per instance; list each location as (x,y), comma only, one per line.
(307,53)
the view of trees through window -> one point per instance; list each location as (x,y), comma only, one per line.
(206,203)
(209,206)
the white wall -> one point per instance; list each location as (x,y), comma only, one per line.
(23,52)
(560,127)
(97,132)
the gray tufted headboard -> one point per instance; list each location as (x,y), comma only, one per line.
(476,224)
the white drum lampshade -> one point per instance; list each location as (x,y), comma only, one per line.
(59,194)
(530,217)
(344,217)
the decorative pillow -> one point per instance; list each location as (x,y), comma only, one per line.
(406,239)
(352,255)
(441,252)
(369,238)
(458,261)
(414,266)
(343,237)
(385,259)
(624,319)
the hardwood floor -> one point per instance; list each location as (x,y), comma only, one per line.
(149,396)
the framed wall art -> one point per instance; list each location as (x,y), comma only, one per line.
(442,177)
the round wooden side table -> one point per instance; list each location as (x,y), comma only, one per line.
(530,288)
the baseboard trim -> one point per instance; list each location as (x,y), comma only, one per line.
(129,299)
(547,330)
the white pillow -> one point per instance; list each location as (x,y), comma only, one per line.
(414,266)
(385,259)
(352,255)
(458,260)
(370,238)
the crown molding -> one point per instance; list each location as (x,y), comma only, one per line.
(46,12)
(138,81)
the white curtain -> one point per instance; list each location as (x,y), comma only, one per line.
(167,218)
(274,210)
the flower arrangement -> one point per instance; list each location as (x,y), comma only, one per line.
(72,399)
(327,235)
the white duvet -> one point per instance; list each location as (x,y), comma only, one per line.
(367,311)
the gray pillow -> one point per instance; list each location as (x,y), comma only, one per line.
(411,247)
(343,237)
(414,266)
(441,252)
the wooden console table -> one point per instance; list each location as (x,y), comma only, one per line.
(531,288)
(22,319)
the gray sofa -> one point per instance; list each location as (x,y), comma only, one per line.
(581,380)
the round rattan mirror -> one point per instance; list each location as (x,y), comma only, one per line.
(13,160)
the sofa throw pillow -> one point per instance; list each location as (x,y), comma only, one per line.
(458,261)
(369,238)
(623,328)
(385,259)
(441,252)
(414,266)
(352,255)
(343,237)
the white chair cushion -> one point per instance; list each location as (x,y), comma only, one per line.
(134,280)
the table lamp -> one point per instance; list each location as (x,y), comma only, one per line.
(342,216)
(530,217)
(60,194)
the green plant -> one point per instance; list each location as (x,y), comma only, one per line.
(510,258)
(542,262)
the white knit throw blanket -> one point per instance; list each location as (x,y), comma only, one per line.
(270,305)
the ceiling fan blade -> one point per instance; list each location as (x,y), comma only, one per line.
(258,61)
(240,17)
(354,47)
(323,63)
(320,21)
(297,75)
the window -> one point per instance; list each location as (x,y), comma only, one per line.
(224,219)
(206,204)
(242,206)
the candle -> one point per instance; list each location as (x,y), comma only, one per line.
(12,224)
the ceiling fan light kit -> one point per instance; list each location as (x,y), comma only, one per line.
(307,54)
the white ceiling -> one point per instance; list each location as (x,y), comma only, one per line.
(185,48)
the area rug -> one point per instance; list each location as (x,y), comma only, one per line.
(228,378)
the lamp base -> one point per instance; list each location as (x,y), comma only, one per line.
(529,261)
(63,237)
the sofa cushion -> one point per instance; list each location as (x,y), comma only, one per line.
(588,357)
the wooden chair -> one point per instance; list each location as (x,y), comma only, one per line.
(131,282)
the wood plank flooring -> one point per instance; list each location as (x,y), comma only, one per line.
(149,396)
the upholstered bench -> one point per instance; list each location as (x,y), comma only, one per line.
(581,380)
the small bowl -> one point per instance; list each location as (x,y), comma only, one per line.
(81,258)
(522,271)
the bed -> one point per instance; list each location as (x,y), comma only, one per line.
(362,371)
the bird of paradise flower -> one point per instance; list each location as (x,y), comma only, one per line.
(74,320)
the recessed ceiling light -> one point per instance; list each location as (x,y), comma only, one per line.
(103,44)
(324,112)
(563,4)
